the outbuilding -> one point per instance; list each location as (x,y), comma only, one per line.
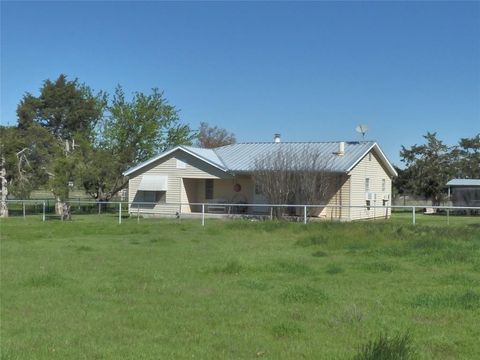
(464,192)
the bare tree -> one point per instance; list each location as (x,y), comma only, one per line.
(213,136)
(286,177)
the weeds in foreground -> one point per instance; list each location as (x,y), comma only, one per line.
(384,347)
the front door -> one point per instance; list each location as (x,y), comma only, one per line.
(259,198)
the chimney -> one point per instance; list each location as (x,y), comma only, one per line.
(341,148)
(276,138)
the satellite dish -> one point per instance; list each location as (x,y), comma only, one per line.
(362,129)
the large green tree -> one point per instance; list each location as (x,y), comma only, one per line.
(66,108)
(429,167)
(468,161)
(133,131)
(68,111)
(25,160)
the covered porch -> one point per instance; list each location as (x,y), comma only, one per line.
(218,195)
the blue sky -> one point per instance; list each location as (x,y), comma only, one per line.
(311,71)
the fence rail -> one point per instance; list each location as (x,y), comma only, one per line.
(140,209)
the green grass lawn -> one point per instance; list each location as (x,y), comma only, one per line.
(164,289)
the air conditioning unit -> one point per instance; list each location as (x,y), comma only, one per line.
(370,196)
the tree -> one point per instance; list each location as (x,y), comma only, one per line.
(132,132)
(284,177)
(25,156)
(212,137)
(429,167)
(468,162)
(65,108)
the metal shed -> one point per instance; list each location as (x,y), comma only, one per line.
(464,192)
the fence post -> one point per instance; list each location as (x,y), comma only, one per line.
(448,216)
(43,217)
(138,213)
(23,206)
(120,212)
(203,214)
(413,214)
(305,214)
(271,213)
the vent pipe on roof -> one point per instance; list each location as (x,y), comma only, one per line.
(276,138)
(341,148)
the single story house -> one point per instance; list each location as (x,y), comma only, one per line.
(464,192)
(172,182)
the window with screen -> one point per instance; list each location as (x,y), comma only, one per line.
(367,184)
(383,184)
(209,189)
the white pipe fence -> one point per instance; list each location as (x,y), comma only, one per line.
(141,208)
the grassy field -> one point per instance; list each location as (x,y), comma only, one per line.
(93,289)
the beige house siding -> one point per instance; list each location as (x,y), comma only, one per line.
(223,190)
(339,199)
(176,191)
(186,184)
(369,167)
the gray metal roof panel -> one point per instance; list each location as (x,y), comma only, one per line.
(241,157)
(207,154)
(464,182)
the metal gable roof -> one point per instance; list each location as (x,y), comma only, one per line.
(464,182)
(241,157)
(206,155)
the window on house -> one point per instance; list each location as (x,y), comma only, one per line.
(181,164)
(208,189)
(367,184)
(155,196)
(368,204)
(383,185)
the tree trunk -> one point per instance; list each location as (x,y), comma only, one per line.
(59,204)
(3,178)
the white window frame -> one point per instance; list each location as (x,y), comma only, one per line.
(367,185)
(181,164)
